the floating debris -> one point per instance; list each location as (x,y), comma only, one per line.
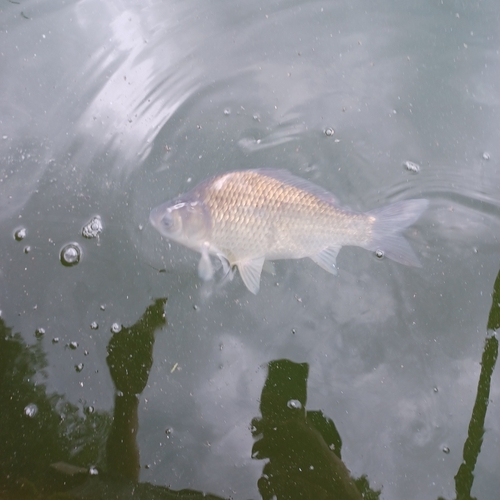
(39,333)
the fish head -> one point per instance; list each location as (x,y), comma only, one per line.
(183,220)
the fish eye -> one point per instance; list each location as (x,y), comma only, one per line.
(167,221)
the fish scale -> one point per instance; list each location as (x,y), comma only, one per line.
(248,216)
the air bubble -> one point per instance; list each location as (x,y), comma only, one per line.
(411,166)
(435,389)
(94,325)
(116,328)
(20,234)
(70,255)
(27,249)
(93,470)
(55,340)
(294,404)
(329,131)
(379,254)
(446,450)
(486,156)
(89,410)
(227,111)
(73,345)
(93,228)
(79,367)
(31,410)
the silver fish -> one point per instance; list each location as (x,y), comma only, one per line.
(250,216)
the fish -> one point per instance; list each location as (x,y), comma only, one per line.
(248,217)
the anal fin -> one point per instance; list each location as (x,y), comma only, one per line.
(205,267)
(327,259)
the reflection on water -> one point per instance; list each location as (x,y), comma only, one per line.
(109,108)
(38,429)
(472,447)
(130,357)
(303,447)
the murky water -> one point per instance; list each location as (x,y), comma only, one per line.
(120,364)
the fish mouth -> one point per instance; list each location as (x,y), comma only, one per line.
(154,217)
(159,218)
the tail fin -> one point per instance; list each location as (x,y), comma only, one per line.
(390,221)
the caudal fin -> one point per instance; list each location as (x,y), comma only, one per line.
(390,221)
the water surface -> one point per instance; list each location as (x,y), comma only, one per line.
(125,365)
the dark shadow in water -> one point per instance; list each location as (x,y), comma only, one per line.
(303,447)
(48,444)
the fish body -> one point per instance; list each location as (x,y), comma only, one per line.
(250,216)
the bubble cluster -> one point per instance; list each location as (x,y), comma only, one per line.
(70,254)
(93,228)
(411,166)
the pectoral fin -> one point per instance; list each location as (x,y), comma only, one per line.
(327,259)
(205,267)
(250,273)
